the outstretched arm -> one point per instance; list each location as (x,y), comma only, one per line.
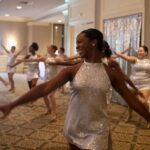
(6,50)
(114,56)
(20,51)
(72,58)
(113,64)
(58,61)
(28,60)
(130,59)
(131,99)
(39,91)
(126,50)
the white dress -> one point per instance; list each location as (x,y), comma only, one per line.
(51,70)
(140,74)
(33,69)
(10,62)
(87,124)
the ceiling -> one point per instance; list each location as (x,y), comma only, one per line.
(31,10)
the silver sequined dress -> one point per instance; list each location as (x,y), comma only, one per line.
(87,123)
(140,74)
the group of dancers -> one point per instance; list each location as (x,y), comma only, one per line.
(32,60)
(91,76)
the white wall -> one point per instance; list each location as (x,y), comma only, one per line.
(40,34)
(12,33)
(81,17)
(24,35)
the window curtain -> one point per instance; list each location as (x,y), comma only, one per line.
(122,33)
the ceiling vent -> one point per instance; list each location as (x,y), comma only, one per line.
(26,3)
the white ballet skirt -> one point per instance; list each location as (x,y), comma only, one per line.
(51,70)
(10,62)
(140,74)
(33,69)
(87,124)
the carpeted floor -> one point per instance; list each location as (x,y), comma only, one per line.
(27,128)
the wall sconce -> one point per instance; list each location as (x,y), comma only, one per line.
(11,41)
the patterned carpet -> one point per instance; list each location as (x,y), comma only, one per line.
(27,128)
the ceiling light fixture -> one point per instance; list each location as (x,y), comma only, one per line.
(19,7)
(59,21)
(26,3)
(7,15)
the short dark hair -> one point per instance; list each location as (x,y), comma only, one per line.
(14,47)
(94,34)
(62,49)
(35,46)
(145,48)
(54,47)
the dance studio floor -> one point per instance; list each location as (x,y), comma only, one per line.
(27,128)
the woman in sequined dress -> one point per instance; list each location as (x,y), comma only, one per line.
(109,60)
(87,124)
(140,73)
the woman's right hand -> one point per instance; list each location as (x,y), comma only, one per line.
(5,109)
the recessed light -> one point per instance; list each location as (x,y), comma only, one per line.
(7,15)
(59,21)
(19,7)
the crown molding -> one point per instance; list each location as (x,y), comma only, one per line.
(37,24)
(15,19)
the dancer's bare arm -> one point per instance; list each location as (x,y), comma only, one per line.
(41,90)
(6,50)
(131,99)
(24,48)
(130,59)
(113,64)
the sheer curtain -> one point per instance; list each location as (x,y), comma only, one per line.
(122,33)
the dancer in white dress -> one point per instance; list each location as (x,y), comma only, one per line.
(109,59)
(51,71)
(140,73)
(52,62)
(10,62)
(87,123)
(33,70)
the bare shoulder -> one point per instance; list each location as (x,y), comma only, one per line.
(117,79)
(71,70)
(113,63)
(113,74)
